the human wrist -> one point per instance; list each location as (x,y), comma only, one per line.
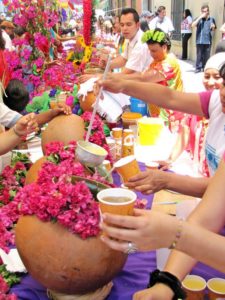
(17,133)
(169,280)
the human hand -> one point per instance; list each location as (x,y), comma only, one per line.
(157,292)
(164,164)
(85,77)
(203,15)
(111,84)
(62,108)
(146,230)
(212,26)
(25,125)
(148,182)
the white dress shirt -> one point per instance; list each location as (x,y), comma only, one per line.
(166,24)
(136,53)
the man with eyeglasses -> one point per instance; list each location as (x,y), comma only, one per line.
(205,26)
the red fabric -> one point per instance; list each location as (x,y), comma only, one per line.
(5,74)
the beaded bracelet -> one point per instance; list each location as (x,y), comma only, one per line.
(178,235)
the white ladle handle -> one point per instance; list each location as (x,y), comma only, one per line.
(97,99)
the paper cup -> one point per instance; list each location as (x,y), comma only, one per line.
(117,133)
(117,201)
(194,286)
(106,163)
(127,167)
(216,288)
(127,149)
(152,165)
(128,136)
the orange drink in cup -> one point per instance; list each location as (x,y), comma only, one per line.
(216,288)
(127,167)
(194,286)
(53,104)
(117,201)
(117,133)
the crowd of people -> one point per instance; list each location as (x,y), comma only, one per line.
(149,71)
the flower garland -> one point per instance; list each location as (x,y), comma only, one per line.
(87,9)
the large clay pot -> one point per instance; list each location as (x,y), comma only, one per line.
(32,174)
(62,261)
(64,129)
(87,102)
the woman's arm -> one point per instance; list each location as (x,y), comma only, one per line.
(152,181)
(156,94)
(11,138)
(210,214)
(48,115)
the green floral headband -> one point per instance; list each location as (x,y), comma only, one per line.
(156,36)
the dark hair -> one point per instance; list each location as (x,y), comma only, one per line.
(166,41)
(222,71)
(187,13)
(130,10)
(220,47)
(160,9)
(19,30)
(2,41)
(144,25)
(17,96)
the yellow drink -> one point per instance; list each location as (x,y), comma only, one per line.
(194,284)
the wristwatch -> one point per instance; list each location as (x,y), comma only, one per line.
(170,280)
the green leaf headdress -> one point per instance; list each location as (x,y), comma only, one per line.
(153,35)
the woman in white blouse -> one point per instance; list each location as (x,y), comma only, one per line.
(186,32)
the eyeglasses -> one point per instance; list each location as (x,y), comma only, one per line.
(205,11)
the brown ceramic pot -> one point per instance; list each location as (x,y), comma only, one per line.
(87,102)
(62,261)
(63,128)
(32,174)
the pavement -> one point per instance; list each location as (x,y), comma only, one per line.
(192,81)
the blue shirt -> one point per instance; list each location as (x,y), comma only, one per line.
(204,33)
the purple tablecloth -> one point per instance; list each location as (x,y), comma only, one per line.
(132,278)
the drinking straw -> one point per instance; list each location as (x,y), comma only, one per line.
(97,100)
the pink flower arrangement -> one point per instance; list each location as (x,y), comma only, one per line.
(97,135)
(57,197)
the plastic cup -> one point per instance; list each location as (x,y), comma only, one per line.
(127,167)
(53,104)
(149,130)
(152,165)
(194,286)
(117,201)
(216,288)
(117,133)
